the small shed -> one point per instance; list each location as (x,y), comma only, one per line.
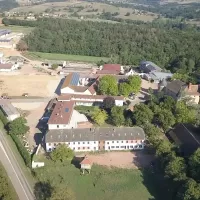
(86,164)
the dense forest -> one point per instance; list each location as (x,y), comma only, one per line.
(174,49)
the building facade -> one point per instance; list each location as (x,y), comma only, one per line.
(97,139)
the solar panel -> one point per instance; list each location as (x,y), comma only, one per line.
(75,79)
(66,109)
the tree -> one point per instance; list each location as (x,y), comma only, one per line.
(168,103)
(194,165)
(54,66)
(117,116)
(135,83)
(22,46)
(62,153)
(127,14)
(62,193)
(142,115)
(176,169)
(18,126)
(165,118)
(99,116)
(42,190)
(108,102)
(190,190)
(124,89)
(184,114)
(108,85)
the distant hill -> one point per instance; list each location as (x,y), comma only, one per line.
(6,5)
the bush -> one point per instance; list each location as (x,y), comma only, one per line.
(3,118)
(22,150)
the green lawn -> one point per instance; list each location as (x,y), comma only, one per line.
(54,56)
(18,29)
(103,183)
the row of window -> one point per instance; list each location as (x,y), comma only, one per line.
(101,142)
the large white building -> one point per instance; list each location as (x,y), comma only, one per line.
(96,139)
(89,100)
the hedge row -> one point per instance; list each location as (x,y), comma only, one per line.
(22,150)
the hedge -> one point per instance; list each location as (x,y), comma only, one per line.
(22,150)
(3,118)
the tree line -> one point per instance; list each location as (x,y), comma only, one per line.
(124,43)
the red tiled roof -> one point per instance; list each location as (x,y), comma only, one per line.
(89,97)
(92,88)
(112,67)
(6,66)
(86,161)
(113,72)
(62,113)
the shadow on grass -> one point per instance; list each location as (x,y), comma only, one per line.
(155,182)
(42,190)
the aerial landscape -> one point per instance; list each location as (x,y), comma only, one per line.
(99,99)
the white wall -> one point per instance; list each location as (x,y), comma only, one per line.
(76,146)
(72,124)
(66,90)
(84,146)
(37,164)
(13,117)
(119,102)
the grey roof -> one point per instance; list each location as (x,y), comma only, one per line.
(151,66)
(160,75)
(176,86)
(8,108)
(95,134)
(163,83)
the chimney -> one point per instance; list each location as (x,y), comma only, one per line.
(189,86)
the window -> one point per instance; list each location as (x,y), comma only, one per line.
(83,142)
(122,141)
(49,144)
(131,146)
(78,142)
(74,148)
(112,141)
(78,148)
(131,141)
(126,141)
(88,142)
(140,146)
(94,142)
(73,142)
(112,146)
(108,147)
(83,147)
(94,148)
(107,142)
(88,148)
(55,144)
(57,126)
(117,147)
(103,147)
(117,141)
(99,142)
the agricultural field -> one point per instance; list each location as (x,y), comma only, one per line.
(104,183)
(54,56)
(18,29)
(90,10)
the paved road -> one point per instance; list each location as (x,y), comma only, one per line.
(14,171)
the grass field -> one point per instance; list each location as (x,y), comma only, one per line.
(88,11)
(12,193)
(104,183)
(63,57)
(18,29)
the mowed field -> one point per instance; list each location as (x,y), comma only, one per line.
(18,29)
(64,57)
(104,183)
(34,85)
(89,8)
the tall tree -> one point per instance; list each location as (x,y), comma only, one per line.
(108,85)
(194,165)
(99,116)
(62,153)
(108,102)
(125,89)
(18,126)
(135,83)
(117,116)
